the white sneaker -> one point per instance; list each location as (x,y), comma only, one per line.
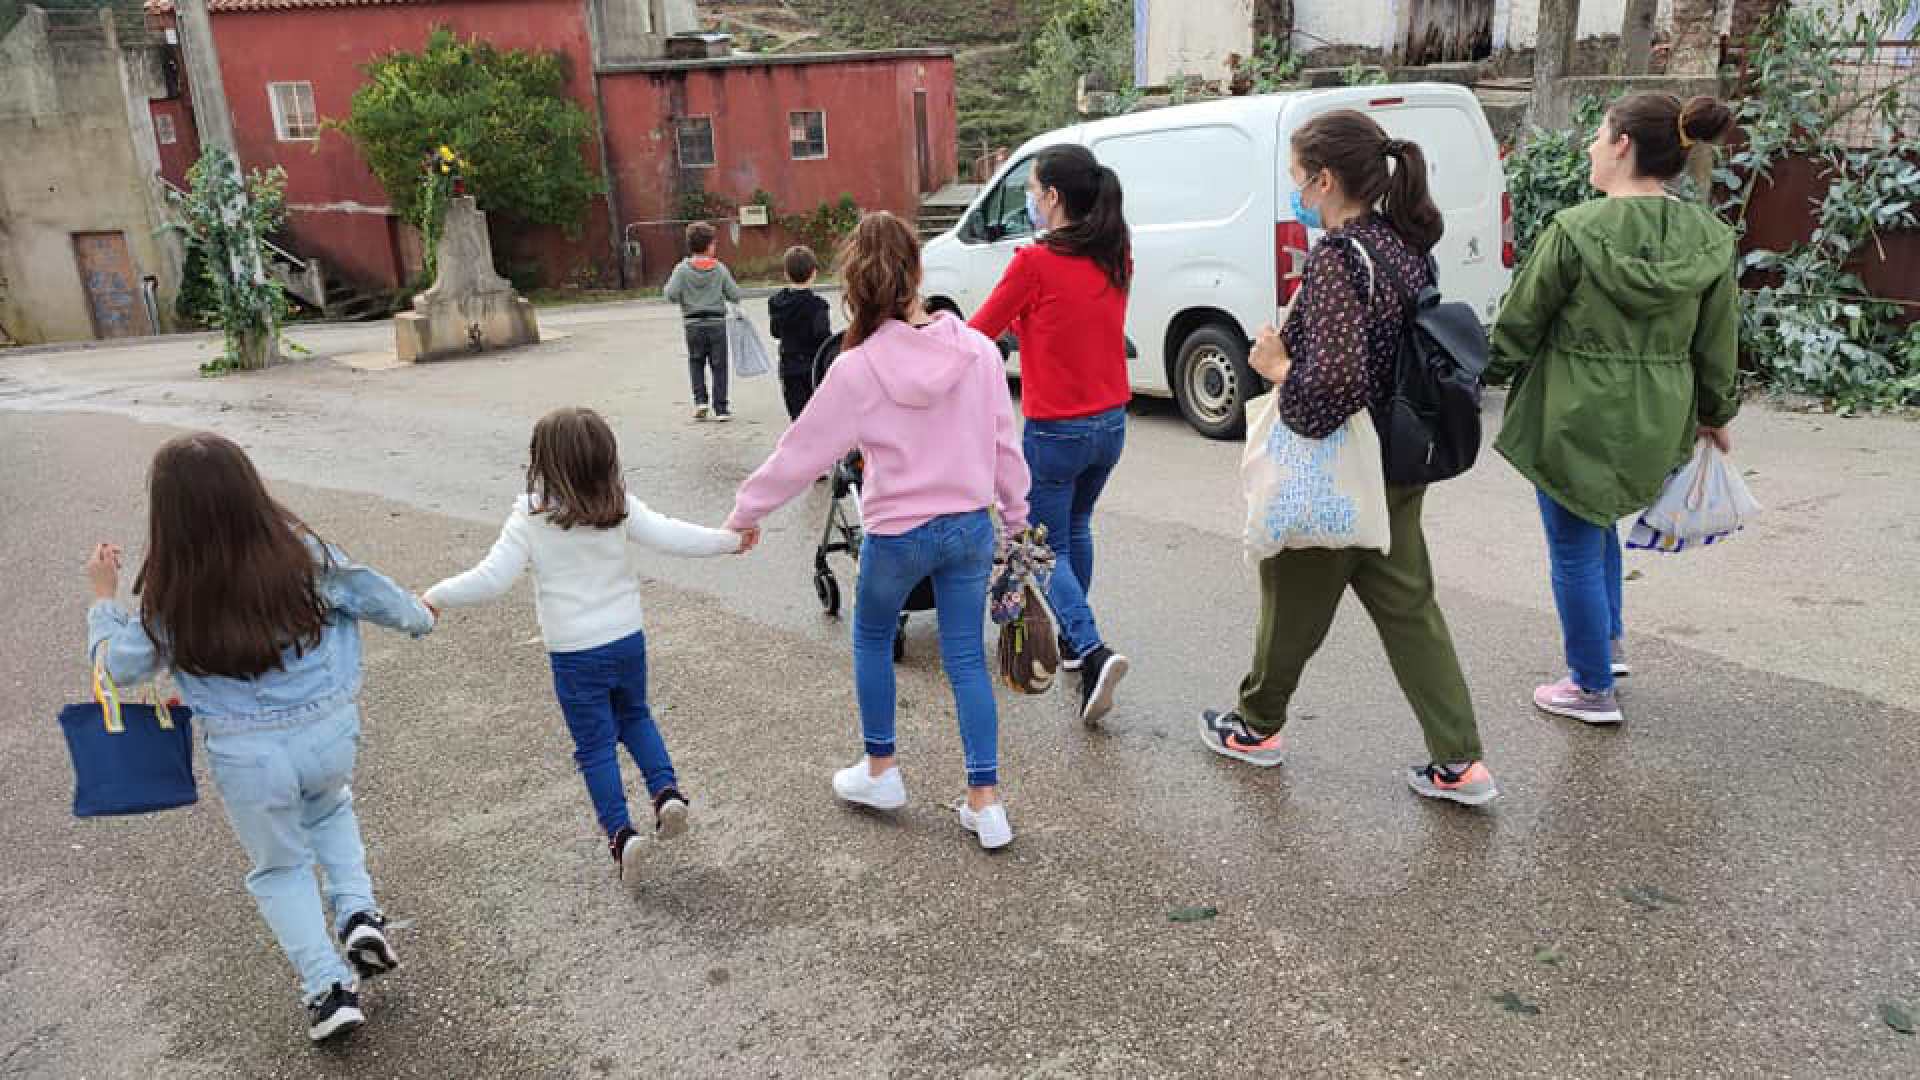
(857,784)
(989,824)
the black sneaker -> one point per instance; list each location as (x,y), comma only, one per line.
(1100,672)
(1068,660)
(669,814)
(368,949)
(334,1013)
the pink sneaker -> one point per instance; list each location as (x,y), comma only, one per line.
(1565,699)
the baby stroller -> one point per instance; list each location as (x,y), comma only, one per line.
(844,531)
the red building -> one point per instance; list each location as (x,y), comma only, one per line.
(805,129)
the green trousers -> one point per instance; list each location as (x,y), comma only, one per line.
(1299,592)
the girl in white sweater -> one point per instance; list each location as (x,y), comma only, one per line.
(575,527)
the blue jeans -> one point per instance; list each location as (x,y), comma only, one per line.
(603,695)
(956,551)
(1586,589)
(285,792)
(1070,461)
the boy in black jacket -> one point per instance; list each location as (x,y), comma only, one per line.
(801,323)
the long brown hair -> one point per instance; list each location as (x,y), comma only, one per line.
(229,582)
(879,274)
(573,470)
(1091,193)
(1354,148)
(1662,127)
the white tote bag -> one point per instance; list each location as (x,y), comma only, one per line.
(1312,493)
(744,347)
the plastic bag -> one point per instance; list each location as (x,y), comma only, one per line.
(1312,493)
(1704,501)
(749,353)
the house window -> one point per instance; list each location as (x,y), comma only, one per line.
(696,142)
(807,132)
(163,128)
(294,117)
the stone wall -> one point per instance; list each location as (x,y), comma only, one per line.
(80,156)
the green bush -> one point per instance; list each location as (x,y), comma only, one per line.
(506,109)
(1547,172)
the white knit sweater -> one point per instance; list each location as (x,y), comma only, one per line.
(586,583)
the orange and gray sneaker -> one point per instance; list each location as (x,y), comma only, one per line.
(1228,735)
(1469,786)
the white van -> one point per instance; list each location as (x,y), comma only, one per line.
(1216,250)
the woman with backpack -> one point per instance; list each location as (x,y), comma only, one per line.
(1065,298)
(1621,336)
(1332,358)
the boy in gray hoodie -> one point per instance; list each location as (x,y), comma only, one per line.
(703,287)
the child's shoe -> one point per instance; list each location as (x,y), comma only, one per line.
(334,1013)
(721,416)
(625,848)
(857,784)
(989,823)
(699,412)
(669,814)
(368,949)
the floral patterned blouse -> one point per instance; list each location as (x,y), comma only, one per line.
(1342,340)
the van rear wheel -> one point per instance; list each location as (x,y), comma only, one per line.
(1211,380)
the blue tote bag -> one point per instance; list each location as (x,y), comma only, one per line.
(128,759)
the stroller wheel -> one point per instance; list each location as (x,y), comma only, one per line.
(827,588)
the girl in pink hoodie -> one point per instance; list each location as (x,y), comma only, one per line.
(925,399)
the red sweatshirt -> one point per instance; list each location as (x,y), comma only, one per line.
(1071,323)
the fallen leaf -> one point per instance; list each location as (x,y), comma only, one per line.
(1648,896)
(1896,1018)
(1633,575)
(1192,914)
(1511,1002)
(1549,955)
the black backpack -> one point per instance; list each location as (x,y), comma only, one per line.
(1429,424)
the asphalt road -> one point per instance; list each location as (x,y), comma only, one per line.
(1725,887)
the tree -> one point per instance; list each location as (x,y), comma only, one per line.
(504,109)
(226,216)
(1082,37)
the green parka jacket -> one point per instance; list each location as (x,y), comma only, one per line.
(1621,333)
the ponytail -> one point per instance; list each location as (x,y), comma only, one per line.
(1097,225)
(1408,205)
(1355,149)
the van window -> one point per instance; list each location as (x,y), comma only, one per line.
(1455,173)
(1006,206)
(1181,175)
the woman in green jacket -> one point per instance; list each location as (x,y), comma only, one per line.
(1620,333)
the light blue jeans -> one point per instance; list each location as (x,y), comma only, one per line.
(286,794)
(956,551)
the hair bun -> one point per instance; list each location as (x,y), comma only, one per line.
(1705,119)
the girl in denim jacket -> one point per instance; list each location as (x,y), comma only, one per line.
(258,621)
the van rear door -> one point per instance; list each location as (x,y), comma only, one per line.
(1463,173)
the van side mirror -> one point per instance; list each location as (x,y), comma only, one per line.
(995,232)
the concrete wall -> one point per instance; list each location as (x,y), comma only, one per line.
(1192,37)
(77,140)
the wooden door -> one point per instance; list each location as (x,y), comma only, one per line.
(114,297)
(1447,31)
(922,141)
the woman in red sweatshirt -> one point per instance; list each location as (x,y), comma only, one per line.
(1065,298)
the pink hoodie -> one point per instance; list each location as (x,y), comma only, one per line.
(929,409)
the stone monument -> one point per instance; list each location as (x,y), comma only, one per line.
(470,308)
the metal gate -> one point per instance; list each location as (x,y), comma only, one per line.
(114,296)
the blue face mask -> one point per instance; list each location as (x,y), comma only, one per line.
(1302,213)
(1034,217)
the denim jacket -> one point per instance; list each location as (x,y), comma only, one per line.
(307,685)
